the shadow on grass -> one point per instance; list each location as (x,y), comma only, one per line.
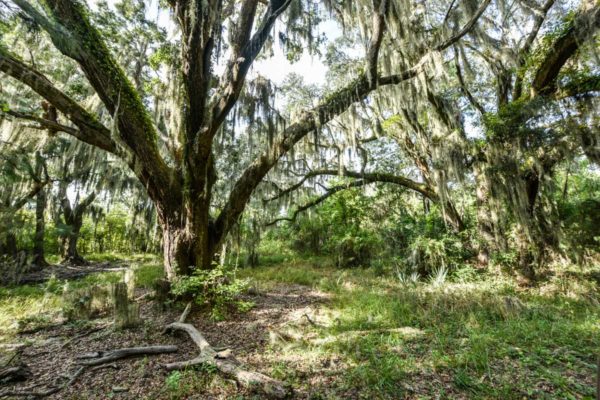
(478,341)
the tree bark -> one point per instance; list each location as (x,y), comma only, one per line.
(71,255)
(9,246)
(187,246)
(485,225)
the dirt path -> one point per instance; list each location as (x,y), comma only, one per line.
(247,335)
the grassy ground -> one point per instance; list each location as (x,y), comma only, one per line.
(476,337)
(29,306)
(377,336)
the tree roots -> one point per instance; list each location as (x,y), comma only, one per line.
(225,363)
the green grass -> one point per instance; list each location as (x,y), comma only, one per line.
(473,336)
(483,339)
(148,273)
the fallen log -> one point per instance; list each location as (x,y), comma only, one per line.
(225,363)
(126,352)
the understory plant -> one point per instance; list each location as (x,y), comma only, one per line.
(217,289)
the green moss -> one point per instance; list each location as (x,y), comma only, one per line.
(118,88)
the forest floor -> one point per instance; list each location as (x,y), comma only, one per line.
(331,334)
(68,272)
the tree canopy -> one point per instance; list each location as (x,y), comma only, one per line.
(434,98)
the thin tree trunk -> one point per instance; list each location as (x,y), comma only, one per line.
(71,255)
(485,225)
(39,259)
(74,218)
(452,217)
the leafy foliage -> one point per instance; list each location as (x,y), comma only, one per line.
(217,289)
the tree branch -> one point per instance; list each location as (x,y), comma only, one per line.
(48,124)
(464,87)
(90,130)
(540,17)
(466,28)
(135,129)
(37,187)
(369,177)
(330,192)
(235,75)
(379,14)
(583,27)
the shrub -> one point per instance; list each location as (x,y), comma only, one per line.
(428,255)
(217,289)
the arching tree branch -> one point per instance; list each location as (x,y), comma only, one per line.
(309,121)
(85,45)
(330,192)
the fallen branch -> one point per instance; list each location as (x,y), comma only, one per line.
(47,392)
(82,335)
(127,352)
(102,366)
(143,297)
(225,363)
(185,313)
(95,360)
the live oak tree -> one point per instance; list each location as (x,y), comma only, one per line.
(180,177)
(542,114)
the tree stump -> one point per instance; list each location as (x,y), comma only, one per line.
(126,313)
(162,292)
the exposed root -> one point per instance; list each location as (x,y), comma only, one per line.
(223,361)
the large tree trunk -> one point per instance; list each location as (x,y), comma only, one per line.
(187,245)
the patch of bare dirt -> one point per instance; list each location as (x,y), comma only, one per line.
(63,272)
(51,354)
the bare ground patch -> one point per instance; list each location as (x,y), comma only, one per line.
(51,353)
